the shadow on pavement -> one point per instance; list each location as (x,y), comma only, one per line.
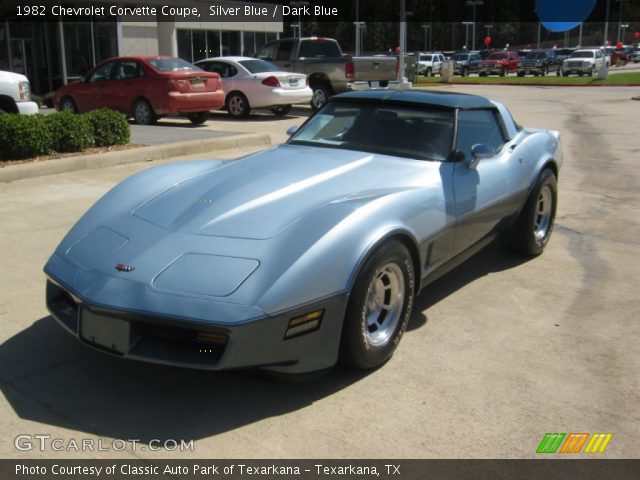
(48,377)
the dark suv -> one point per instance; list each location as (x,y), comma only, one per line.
(465,63)
(539,62)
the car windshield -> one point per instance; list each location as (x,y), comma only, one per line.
(582,55)
(497,56)
(460,56)
(535,55)
(171,65)
(259,66)
(423,133)
(425,58)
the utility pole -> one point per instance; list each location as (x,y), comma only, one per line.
(426,29)
(620,20)
(466,34)
(606,23)
(403,39)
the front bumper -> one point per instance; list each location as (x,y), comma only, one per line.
(208,345)
(574,69)
(27,108)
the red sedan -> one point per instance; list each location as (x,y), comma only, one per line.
(145,88)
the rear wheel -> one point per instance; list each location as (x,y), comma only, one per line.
(379,307)
(533,228)
(320,96)
(68,105)
(143,113)
(521,74)
(281,110)
(238,105)
(198,118)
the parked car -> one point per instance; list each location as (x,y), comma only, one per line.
(585,61)
(309,252)
(145,88)
(499,63)
(539,62)
(15,94)
(634,56)
(465,63)
(328,71)
(430,63)
(253,83)
(563,53)
(619,58)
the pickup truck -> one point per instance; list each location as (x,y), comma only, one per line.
(15,94)
(499,63)
(327,69)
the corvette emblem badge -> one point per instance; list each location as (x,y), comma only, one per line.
(121,267)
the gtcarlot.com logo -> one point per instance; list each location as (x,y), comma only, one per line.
(44,443)
(574,442)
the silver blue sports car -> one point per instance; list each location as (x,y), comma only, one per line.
(310,252)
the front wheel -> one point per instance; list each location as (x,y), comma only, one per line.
(68,105)
(198,118)
(238,105)
(143,113)
(533,228)
(379,307)
(281,110)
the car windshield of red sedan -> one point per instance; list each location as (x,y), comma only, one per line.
(422,133)
(171,65)
(259,66)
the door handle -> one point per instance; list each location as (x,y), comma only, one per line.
(513,147)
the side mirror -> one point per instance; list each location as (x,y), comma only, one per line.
(478,152)
(292,129)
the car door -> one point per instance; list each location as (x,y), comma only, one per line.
(474,62)
(90,94)
(129,79)
(491,190)
(437,63)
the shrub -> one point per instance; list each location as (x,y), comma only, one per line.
(109,127)
(70,132)
(24,136)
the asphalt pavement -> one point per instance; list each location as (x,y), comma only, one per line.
(498,352)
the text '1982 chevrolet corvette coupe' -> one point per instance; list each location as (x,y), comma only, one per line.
(309,252)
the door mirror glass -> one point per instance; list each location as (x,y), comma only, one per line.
(292,129)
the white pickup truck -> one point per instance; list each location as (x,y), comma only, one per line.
(15,94)
(587,61)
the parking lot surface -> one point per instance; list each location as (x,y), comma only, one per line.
(498,352)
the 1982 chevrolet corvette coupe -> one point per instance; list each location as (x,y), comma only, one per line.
(311,251)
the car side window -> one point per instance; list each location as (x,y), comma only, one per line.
(102,73)
(268,52)
(284,50)
(129,69)
(478,126)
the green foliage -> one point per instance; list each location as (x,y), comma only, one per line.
(109,127)
(70,132)
(24,136)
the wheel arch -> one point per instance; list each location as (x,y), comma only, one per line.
(319,78)
(8,104)
(136,100)
(404,237)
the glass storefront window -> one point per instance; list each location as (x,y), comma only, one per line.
(77,39)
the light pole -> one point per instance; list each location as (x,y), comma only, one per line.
(426,30)
(294,27)
(624,27)
(360,26)
(466,34)
(299,5)
(620,19)
(474,4)
(403,39)
(606,23)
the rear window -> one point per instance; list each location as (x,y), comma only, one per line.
(259,66)
(171,65)
(319,49)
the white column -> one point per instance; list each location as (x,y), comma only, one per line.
(167,38)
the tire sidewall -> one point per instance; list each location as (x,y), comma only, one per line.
(245,104)
(356,348)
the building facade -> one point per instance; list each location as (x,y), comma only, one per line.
(53,53)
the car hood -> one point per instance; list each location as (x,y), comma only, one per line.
(261,195)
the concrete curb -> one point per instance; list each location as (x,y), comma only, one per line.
(21,171)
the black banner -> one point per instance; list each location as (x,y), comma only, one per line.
(321,469)
(306,10)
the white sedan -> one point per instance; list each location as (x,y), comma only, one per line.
(253,83)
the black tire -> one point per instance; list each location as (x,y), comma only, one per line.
(198,118)
(521,74)
(384,83)
(372,333)
(531,232)
(482,74)
(321,94)
(143,113)
(237,105)
(545,71)
(281,110)
(67,105)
